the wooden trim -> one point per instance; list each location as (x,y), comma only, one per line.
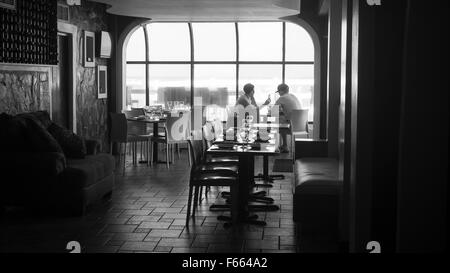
(72,30)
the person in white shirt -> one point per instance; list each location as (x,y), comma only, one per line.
(287,103)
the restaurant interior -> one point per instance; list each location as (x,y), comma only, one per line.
(223,126)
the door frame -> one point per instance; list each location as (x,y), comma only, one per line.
(72,32)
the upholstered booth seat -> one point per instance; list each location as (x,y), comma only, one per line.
(316,176)
(316,191)
(316,196)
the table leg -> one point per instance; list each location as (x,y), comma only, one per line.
(155,144)
(265,175)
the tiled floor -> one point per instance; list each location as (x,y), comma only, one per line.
(147,214)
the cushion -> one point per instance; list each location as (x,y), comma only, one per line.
(316,198)
(90,170)
(317,176)
(12,135)
(41,117)
(38,138)
(72,145)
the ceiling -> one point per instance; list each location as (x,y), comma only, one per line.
(204,10)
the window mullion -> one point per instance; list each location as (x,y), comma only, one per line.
(191,36)
(237,60)
(147,70)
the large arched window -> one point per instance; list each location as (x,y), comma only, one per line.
(169,62)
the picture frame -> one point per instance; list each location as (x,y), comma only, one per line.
(102,81)
(89,49)
(8,4)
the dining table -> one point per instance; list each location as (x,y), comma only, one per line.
(155,121)
(246,153)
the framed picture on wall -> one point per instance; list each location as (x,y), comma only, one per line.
(89,49)
(8,4)
(102,81)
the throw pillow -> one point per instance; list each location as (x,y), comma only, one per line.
(39,139)
(72,145)
(42,117)
(12,136)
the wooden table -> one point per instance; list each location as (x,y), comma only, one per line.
(246,171)
(155,122)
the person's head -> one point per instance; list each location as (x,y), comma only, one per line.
(249,89)
(283,89)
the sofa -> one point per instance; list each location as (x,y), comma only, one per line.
(48,168)
(316,190)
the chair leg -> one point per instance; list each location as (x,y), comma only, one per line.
(167,157)
(189,155)
(178,151)
(124,152)
(200,195)
(195,200)
(173,153)
(151,153)
(188,213)
(147,147)
(135,153)
(111,148)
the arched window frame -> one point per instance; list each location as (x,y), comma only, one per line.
(316,63)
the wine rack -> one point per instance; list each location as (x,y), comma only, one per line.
(29,33)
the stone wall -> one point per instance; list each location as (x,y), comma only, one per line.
(92,113)
(25,88)
(24,91)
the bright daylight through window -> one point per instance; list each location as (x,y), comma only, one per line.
(214,61)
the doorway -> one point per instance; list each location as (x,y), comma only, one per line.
(61,94)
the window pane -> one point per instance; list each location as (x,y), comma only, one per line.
(169,83)
(260,41)
(214,41)
(300,79)
(136,46)
(169,42)
(135,94)
(216,85)
(299,45)
(265,78)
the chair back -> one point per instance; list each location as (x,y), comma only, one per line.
(136,127)
(134,112)
(299,121)
(208,134)
(196,147)
(178,127)
(119,129)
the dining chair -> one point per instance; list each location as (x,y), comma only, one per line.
(140,129)
(176,131)
(201,176)
(299,123)
(299,126)
(120,135)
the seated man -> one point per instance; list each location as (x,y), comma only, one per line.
(287,103)
(248,98)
